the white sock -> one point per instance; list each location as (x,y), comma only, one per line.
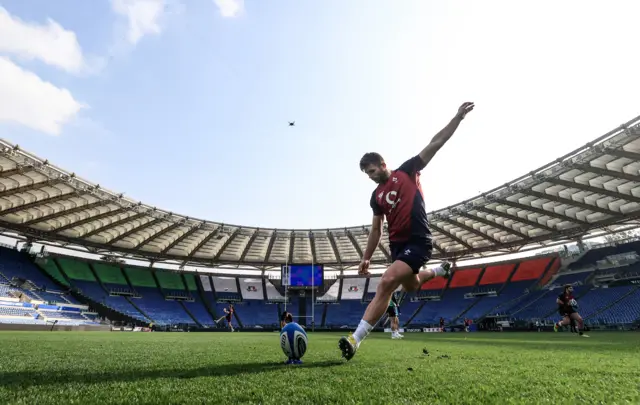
(439,271)
(362,331)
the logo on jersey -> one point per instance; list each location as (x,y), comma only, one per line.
(394,179)
(390,199)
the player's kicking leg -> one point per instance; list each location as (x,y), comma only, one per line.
(399,273)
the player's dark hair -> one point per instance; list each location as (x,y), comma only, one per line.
(288,318)
(371,158)
(566,287)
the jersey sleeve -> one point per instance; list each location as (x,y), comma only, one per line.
(377,211)
(411,166)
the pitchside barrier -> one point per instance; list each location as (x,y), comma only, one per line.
(54,328)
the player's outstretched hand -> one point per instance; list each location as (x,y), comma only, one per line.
(363,268)
(465,108)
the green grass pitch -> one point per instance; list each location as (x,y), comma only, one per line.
(237,368)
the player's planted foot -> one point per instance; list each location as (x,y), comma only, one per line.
(348,346)
(444,270)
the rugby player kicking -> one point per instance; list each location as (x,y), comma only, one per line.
(228,316)
(399,197)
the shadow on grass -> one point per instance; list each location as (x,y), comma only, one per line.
(25,379)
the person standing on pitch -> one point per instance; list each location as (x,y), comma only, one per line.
(399,197)
(392,313)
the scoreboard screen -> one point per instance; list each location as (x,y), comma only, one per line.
(303,275)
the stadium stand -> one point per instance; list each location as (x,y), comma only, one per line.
(576,195)
(520,290)
(573,198)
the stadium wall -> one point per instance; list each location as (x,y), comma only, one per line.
(55,328)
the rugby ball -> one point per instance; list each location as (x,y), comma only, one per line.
(293,341)
(574,304)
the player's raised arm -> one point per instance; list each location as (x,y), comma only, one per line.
(443,136)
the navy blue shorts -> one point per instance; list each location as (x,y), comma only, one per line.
(415,253)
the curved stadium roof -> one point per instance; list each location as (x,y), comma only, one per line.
(593,188)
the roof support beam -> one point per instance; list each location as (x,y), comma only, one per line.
(134,230)
(312,244)
(203,242)
(90,219)
(180,238)
(38,203)
(248,247)
(158,234)
(29,187)
(597,190)
(471,229)
(292,241)
(496,225)
(570,201)
(114,224)
(609,173)
(540,211)
(272,241)
(623,154)
(451,236)
(17,170)
(224,246)
(334,246)
(355,243)
(68,211)
(516,218)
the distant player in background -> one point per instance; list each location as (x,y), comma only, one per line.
(441,324)
(568,310)
(285,318)
(392,313)
(288,319)
(399,198)
(228,316)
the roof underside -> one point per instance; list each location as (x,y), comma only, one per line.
(591,188)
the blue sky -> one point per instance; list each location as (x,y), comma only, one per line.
(184,104)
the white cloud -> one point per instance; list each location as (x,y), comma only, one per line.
(28,100)
(229,8)
(144,17)
(50,42)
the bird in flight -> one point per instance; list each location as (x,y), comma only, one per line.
(292,123)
